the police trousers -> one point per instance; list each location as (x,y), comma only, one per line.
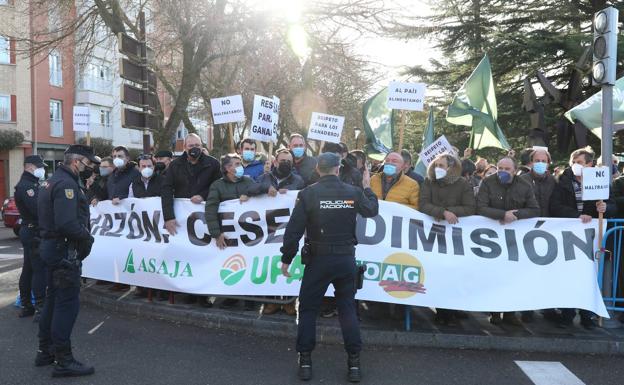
(62,300)
(322,271)
(33,276)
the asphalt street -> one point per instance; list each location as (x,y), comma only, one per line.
(127,350)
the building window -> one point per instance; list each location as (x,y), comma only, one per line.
(5,55)
(97,77)
(105,122)
(5,108)
(56,118)
(56,71)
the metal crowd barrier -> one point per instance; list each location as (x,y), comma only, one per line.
(609,271)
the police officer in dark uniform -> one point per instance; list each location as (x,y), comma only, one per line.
(32,278)
(327,212)
(65,242)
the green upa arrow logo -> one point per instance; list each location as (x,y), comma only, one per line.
(233,269)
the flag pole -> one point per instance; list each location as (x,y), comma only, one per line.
(401,130)
(231,134)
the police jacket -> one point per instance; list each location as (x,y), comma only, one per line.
(184,180)
(26,192)
(306,168)
(153,189)
(495,198)
(327,212)
(119,181)
(223,190)
(291,182)
(563,200)
(63,208)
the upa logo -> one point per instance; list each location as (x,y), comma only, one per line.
(401,275)
(233,269)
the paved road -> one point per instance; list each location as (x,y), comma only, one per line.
(128,350)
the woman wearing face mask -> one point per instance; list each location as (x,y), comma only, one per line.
(445,195)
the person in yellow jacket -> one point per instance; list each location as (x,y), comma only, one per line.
(392,185)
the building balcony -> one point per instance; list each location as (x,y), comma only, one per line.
(89,83)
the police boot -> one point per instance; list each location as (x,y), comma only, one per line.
(38,309)
(27,309)
(44,353)
(67,366)
(305,366)
(353,363)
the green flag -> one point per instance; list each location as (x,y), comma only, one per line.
(427,139)
(590,111)
(474,105)
(378,123)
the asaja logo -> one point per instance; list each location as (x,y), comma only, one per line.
(155,266)
(233,269)
(401,275)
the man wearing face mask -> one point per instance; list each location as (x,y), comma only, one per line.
(247,150)
(125,172)
(506,198)
(541,179)
(392,185)
(32,278)
(188,176)
(63,212)
(97,191)
(566,202)
(304,165)
(280,179)
(149,183)
(162,159)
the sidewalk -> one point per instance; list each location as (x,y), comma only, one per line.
(473,333)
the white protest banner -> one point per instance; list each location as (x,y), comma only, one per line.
(276,111)
(439,146)
(406,96)
(325,127)
(227,110)
(262,119)
(81,118)
(476,265)
(595,183)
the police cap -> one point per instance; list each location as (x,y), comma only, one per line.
(37,160)
(164,154)
(86,151)
(327,161)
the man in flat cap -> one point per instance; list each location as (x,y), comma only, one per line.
(163,159)
(65,241)
(326,211)
(32,278)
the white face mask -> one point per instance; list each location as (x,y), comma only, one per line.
(577,169)
(39,172)
(118,162)
(147,172)
(439,172)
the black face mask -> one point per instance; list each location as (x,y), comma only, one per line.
(284,168)
(160,166)
(195,152)
(86,174)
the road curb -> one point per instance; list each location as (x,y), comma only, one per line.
(270,327)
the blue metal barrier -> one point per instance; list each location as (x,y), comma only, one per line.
(612,241)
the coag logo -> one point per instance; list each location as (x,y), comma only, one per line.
(401,275)
(233,269)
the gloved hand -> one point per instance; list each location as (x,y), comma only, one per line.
(83,248)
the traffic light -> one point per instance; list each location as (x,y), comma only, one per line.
(605,46)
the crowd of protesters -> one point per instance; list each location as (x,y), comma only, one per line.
(506,190)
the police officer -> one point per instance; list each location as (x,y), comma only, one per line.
(33,271)
(66,241)
(327,212)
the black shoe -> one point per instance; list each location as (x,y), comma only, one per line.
(511,319)
(67,366)
(305,366)
(353,363)
(527,316)
(228,303)
(588,323)
(27,311)
(329,313)
(564,323)
(495,319)
(44,358)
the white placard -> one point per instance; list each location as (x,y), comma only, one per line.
(228,109)
(325,127)
(439,146)
(541,148)
(276,111)
(262,119)
(81,118)
(406,96)
(596,182)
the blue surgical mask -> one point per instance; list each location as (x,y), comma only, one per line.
(248,155)
(298,152)
(389,169)
(504,177)
(540,168)
(239,171)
